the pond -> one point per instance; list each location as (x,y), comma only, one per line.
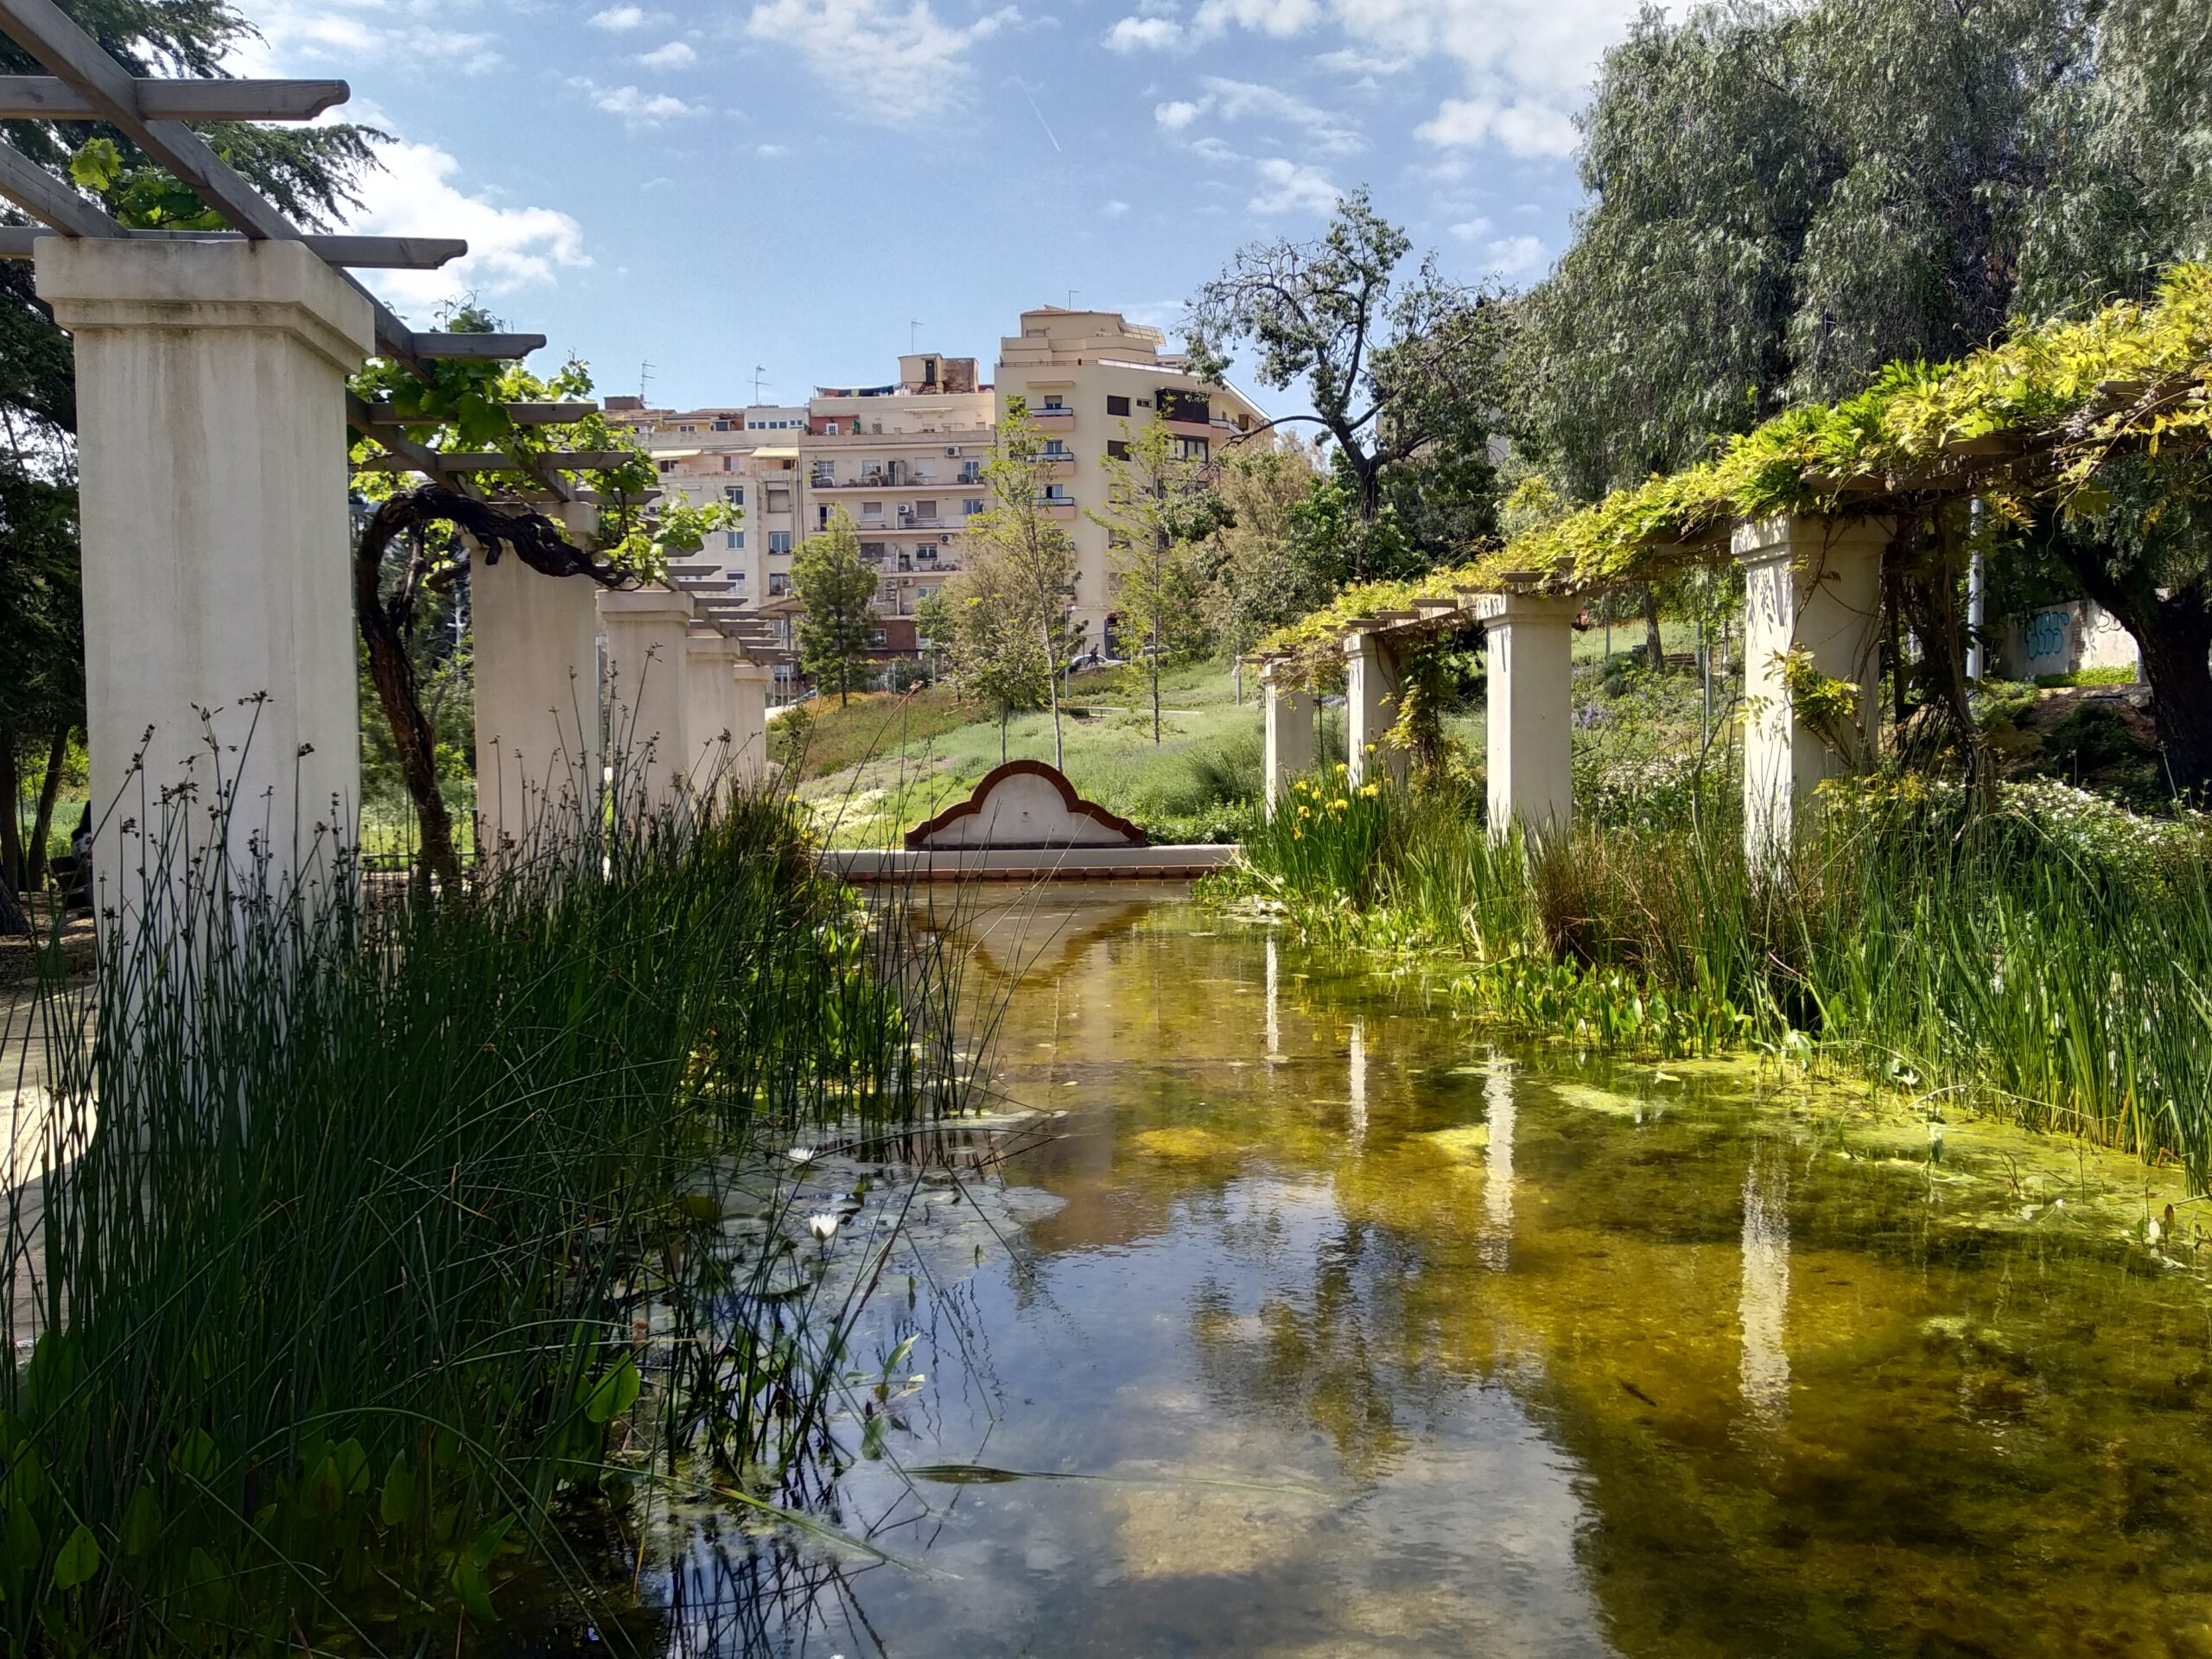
(1312,1322)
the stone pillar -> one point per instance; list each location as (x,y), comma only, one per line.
(749,732)
(710,710)
(537,739)
(647,731)
(1370,708)
(1530,640)
(1814,585)
(1290,711)
(211,476)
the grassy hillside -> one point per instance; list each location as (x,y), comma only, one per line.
(875,767)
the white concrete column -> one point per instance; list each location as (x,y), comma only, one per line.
(1814,585)
(646,700)
(749,730)
(709,710)
(211,477)
(1531,646)
(538,740)
(1371,709)
(1290,711)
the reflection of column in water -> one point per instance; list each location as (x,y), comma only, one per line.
(1275,984)
(1497,1167)
(1358,1081)
(1763,1307)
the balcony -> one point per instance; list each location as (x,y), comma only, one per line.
(1056,466)
(1059,507)
(1053,420)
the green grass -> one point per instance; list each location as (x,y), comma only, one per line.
(2088,677)
(870,771)
(341,1237)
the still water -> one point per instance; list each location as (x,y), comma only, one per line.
(1309,1321)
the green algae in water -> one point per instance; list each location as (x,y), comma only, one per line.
(1517,1353)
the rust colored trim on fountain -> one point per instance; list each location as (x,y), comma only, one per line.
(917,837)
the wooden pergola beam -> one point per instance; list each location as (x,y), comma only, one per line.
(48,97)
(379,253)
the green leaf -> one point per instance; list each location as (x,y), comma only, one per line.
(352,1467)
(22,1543)
(401,1499)
(78,1561)
(195,1457)
(141,1522)
(474,1589)
(614,1393)
(96,164)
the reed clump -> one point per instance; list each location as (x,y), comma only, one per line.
(2045,954)
(341,1246)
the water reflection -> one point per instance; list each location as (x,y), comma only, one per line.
(1497,1167)
(1763,1306)
(1524,1354)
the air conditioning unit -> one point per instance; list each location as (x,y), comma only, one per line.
(952,449)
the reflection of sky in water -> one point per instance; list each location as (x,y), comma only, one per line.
(1358,1338)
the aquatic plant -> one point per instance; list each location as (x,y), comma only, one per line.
(2049,957)
(352,1231)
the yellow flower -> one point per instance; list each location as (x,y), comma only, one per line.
(1371,791)
(1297,834)
(1338,804)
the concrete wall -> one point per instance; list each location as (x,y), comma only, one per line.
(2063,640)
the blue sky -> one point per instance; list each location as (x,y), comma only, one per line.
(789,184)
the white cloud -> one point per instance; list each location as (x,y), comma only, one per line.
(894,63)
(1113,209)
(1523,129)
(1144,34)
(1287,187)
(509,248)
(771,152)
(1280,18)
(1349,60)
(636,108)
(617,19)
(1248,100)
(1468,230)
(1514,256)
(299,34)
(674,56)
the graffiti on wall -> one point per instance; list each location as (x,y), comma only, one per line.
(2046,638)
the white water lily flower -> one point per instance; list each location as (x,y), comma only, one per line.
(823,1224)
(801,1154)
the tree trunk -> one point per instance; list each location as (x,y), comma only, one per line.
(2173,635)
(394,675)
(1052,688)
(57,755)
(2176,664)
(1155,682)
(1654,648)
(11,824)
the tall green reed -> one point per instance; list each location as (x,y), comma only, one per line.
(350,1214)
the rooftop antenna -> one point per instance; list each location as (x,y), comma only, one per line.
(759,369)
(913,329)
(1071,293)
(644,376)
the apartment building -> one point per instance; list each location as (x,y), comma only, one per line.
(1091,381)
(906,458)
(905,461)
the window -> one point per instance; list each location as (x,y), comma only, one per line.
(1190,449)
(1117,405)
(971,472)
(1176,404)
(734,494)
(871,509)
(778,583)
(880,639)
(779,541)
(668,466)
(735,540)
(721,426)
(1054,404)
(1116,450)
(687,429)
(1056,450)
(779,500)
(970,507)
(924,509)
(923,592)
(873,549)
